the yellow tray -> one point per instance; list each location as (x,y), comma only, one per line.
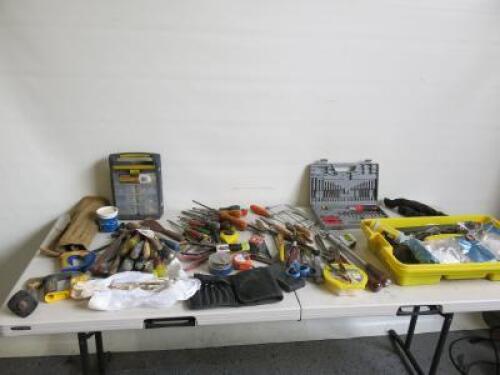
(421,274)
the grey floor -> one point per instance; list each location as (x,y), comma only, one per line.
(373,355)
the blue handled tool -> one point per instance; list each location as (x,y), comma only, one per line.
(77,261)
(171,244)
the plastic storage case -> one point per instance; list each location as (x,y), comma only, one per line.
(421,274)
(136,183)
(343,194)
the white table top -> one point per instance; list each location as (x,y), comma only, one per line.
(310,302)
(453,295)
(75,316)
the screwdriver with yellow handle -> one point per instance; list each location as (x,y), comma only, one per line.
(279,242)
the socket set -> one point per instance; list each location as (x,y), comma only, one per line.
(343,194)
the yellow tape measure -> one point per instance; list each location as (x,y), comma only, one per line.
(344,282)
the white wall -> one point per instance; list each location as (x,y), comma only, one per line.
(239,96)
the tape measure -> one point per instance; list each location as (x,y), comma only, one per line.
(346,281)
(79,260)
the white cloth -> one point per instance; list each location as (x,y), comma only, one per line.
(103,296)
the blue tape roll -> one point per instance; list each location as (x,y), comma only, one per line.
(108,225)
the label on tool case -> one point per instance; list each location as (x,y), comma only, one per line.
(145,178)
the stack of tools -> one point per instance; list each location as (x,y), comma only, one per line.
(304,254)
(214,236)
(294,243)
(208,230)
(137,247)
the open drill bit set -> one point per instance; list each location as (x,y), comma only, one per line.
(343,194)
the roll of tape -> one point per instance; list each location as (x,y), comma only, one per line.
(242,261)
(219,263)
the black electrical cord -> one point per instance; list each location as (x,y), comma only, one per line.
(465,369)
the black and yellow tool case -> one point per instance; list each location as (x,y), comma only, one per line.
(343,194)
(136,181)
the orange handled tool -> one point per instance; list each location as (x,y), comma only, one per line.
(233,213)
(259,210)
(240,224)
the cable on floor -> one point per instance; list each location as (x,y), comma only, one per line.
(464,369)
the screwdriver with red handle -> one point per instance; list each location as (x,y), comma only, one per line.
(198,236)
(229,216)
(260,210)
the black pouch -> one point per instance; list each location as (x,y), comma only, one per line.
(256,287)
(214,292)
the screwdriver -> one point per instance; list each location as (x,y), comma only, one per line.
(196,225)
(278,228)
(213,226)
(234,212)
(232,247)
(198,236)
(210,224)
(240,224)
(173,245)
(260,210)
(157,227)
(304,231)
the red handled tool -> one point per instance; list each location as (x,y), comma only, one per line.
(260,210)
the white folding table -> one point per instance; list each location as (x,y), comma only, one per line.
(311,302)
(71,316)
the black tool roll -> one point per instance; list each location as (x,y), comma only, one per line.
(407,207)
(253,287)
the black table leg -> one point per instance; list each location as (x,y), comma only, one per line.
(84,352)
(440,345)
(403,348)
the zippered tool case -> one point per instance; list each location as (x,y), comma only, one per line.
(343,194)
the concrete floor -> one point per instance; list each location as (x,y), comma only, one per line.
(371,355)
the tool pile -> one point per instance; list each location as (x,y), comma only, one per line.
(136,247)
(231,244)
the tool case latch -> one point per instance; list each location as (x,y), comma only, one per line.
(188,321)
